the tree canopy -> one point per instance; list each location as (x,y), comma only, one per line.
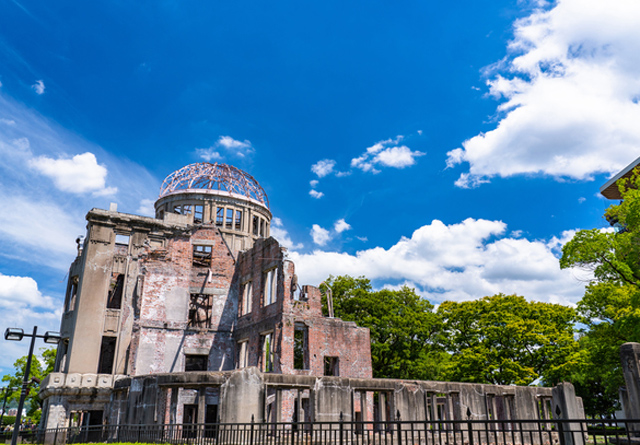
(403,327)
(39,370)
(610,308)
(505,339)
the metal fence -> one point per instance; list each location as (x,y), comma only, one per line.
(472,432)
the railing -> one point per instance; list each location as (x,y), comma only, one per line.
(459,432)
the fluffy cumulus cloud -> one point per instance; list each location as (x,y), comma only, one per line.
(457,262)
(226,146)
(320,235)
(79,174)
(23,305)
(341,225)
(323,167)
(569,92)
(388,153)
(38,87)
(315,194)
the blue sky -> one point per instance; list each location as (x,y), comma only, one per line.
(453,147)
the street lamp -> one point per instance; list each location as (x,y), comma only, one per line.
(17,334)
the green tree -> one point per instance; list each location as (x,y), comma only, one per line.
(610,308)
(39,370)
(403,327)
(505,339)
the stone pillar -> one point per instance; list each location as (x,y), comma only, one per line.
(565,402)
(246,385)
(630,358)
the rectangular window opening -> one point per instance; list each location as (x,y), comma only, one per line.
(238,219)
(266,352)
(243,354)
(247,296)
(256,224)
(331,366)
(229,220)
(122,240)
(199,311)
(195,362)
(219,216)
(186,209)
(107,355)
(116,287)
(262,232)
(201,255)
(198,217)
(300,346)
(71,296)
(270,286)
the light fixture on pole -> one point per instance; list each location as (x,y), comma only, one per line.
(17,334)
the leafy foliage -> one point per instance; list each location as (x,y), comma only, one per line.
(505,339)
(36,374)
(610,308)
(403,327)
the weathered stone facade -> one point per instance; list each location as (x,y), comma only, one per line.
(201,287)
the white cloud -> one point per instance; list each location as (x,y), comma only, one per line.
(228,145)
(38,87)
(323,168)
(23,305)
(570,94)
(320,236)
(582,199)
(458,262)
(341,225)
(8,121)
(280,233)
(386,153)
(316,194)
(80,174)
(147,208)
(314,183)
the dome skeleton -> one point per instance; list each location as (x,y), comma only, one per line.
(216,177)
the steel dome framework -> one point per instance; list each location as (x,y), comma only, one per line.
(215,177)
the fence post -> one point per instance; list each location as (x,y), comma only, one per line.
(560,425)
(469,426)
(341,429)
(252,426)
(398,427)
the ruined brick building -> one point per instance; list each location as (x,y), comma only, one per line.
(200,287)
(196,316)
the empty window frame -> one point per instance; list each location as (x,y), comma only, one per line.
(247,297)
(198,214)
(262,225)
(270,286)
(300,346)
(243,354)
(255,225)
(201,255)
(199,311)
(70,301)
(229,220)
(195,362)
(107,355)
(219,216)
(116,287)
(122,240)
(186,209)
(331,367)
(238,220)
(266,352)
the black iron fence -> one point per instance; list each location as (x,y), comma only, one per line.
(472,432)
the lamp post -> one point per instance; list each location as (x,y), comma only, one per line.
(17,334)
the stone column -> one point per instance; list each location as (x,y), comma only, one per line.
(630,358)
(565,402)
